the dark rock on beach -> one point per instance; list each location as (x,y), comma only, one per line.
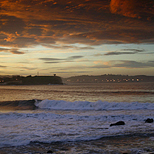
(118,123)
(149,120)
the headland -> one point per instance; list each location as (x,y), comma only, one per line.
(30,80)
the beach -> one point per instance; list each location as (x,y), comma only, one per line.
(130,144)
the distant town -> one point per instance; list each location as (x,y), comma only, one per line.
(109,78)
(30,80)
(46,80)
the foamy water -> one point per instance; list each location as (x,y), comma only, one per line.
(73,121)
(86,105)
(67,120)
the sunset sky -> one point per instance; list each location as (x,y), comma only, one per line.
(76,37)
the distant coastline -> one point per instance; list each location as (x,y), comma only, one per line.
(110,78)
(47,80)
(30,80)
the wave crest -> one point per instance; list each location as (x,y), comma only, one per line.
(85,105)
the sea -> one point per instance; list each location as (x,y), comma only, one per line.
(77,118)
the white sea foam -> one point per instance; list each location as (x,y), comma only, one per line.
(83,121)
(99,105)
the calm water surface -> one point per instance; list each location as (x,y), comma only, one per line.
(117,92)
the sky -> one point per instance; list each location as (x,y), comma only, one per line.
(76,37)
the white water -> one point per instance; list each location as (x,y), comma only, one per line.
(79,115)
(73,121)
(86,105)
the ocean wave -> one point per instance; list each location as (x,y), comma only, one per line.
(18,105)
(85,105)
(46,126)
(76,105)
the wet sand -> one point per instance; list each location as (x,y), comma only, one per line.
(130,144)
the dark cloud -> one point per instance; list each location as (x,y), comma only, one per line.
(68,47)
(29,23)
(133,8)
(16,51)
(130,51)
(50,59)
(134,50)
(114,35)
(121,52)
(84,48)
(3,49)
(2,66)
(134,64)
(58,60)
(51,62)
(13,51)
(118,53)
(74,57)
(27,68)
(11,24)
(97,55)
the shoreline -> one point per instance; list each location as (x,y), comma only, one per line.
(122,144)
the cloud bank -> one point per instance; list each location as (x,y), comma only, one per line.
(62,60)
(125,52)
(13,51)
(125,64)
(133,8)
(36,22)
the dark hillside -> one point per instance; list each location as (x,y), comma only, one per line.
(30,80)
(41,80)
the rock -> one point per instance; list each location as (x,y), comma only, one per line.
(149,120)
(50,151)
(118,123)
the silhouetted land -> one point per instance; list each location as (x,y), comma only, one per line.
(30,80)
(108,79)
(45,80)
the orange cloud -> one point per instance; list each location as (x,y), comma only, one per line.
(98,62)
(28,23)
(133,8)
(124,7)
(10,37)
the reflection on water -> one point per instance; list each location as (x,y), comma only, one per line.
(117,92)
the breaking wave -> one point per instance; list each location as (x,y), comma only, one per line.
(18,105)
(85,105)
(76,105)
